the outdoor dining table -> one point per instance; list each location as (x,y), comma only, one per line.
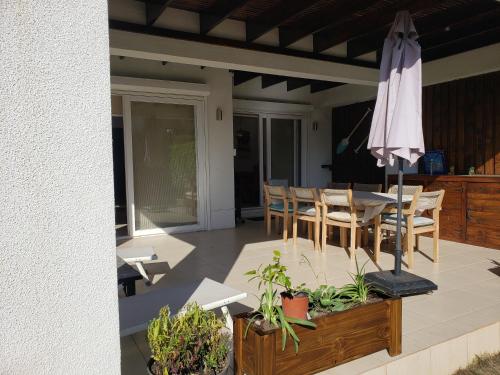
(373,203)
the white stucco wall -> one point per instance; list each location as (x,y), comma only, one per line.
(219,133)
(58,304)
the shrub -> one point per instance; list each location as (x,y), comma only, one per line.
(187,343)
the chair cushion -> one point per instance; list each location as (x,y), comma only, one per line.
(307,210)
(279,207)
(418,221)
(340,216)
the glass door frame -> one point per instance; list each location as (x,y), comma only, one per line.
(296,150)
(267,116)
(201,161)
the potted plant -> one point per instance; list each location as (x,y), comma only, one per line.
(270,314)
(294,300)
(193,342)
(351,321)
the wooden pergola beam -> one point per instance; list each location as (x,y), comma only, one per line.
(240,77)
(425,25)
(269,80)
(295,83)
(275,17)
(221,10)
(320,20)
(154,9)
(317,86)
(342,32)
(455,46)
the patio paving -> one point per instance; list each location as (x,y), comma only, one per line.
(468,278)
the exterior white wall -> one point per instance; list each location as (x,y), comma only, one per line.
(219,133)
(59,303)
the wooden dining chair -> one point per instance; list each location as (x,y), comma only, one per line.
(375,188)
(339,211)
(278,205)
(430,201)
(339,185)
(387,221)
(306,207)
(407,189)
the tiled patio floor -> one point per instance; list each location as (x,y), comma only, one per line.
(468,278)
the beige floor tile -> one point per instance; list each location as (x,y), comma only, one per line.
(449,356)
(382,370)
(468,297)
(132,361)
(418,363)
(483,340)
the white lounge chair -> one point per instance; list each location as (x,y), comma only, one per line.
(137,311)
(137,256)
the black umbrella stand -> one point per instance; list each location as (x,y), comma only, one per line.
(398,282)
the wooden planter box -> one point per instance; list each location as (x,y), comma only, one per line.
(338,338)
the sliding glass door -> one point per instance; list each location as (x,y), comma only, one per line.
(283,149)
(267,147)
(164,141)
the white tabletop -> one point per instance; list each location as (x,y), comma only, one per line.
(136,311)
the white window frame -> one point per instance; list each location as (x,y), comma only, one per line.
(199,104)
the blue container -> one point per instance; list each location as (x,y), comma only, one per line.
(435,162)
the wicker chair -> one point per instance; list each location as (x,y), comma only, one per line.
(306,207)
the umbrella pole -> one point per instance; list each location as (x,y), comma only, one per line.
(398,282)
(398,252)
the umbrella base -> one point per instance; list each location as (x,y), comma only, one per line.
(402,285)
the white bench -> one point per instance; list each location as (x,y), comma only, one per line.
(137,256)
(137,311)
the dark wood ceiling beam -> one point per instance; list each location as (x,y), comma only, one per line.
(269,80)
(340,33)
(221,10)
(154,9)
(240,77)
(320,20)
(456,46)
(425,25)
(275,17)
(183,35)
(296,83)
(317,86)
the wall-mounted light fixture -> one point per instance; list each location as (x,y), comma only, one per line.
(315,126)
(218,114)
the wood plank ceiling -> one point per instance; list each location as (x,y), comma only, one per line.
(446,27)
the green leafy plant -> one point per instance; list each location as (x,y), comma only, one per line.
(325,299)
(359,290)
(188,343)
(270,276)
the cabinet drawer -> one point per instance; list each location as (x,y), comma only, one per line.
(483,214)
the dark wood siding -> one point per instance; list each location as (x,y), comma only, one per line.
(465,122)
(350,166)
(461,117)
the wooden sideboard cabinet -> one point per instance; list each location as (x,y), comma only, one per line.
(471,206)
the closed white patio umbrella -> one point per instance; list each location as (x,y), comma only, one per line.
(396,133)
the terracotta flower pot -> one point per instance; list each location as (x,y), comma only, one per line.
(295,306)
